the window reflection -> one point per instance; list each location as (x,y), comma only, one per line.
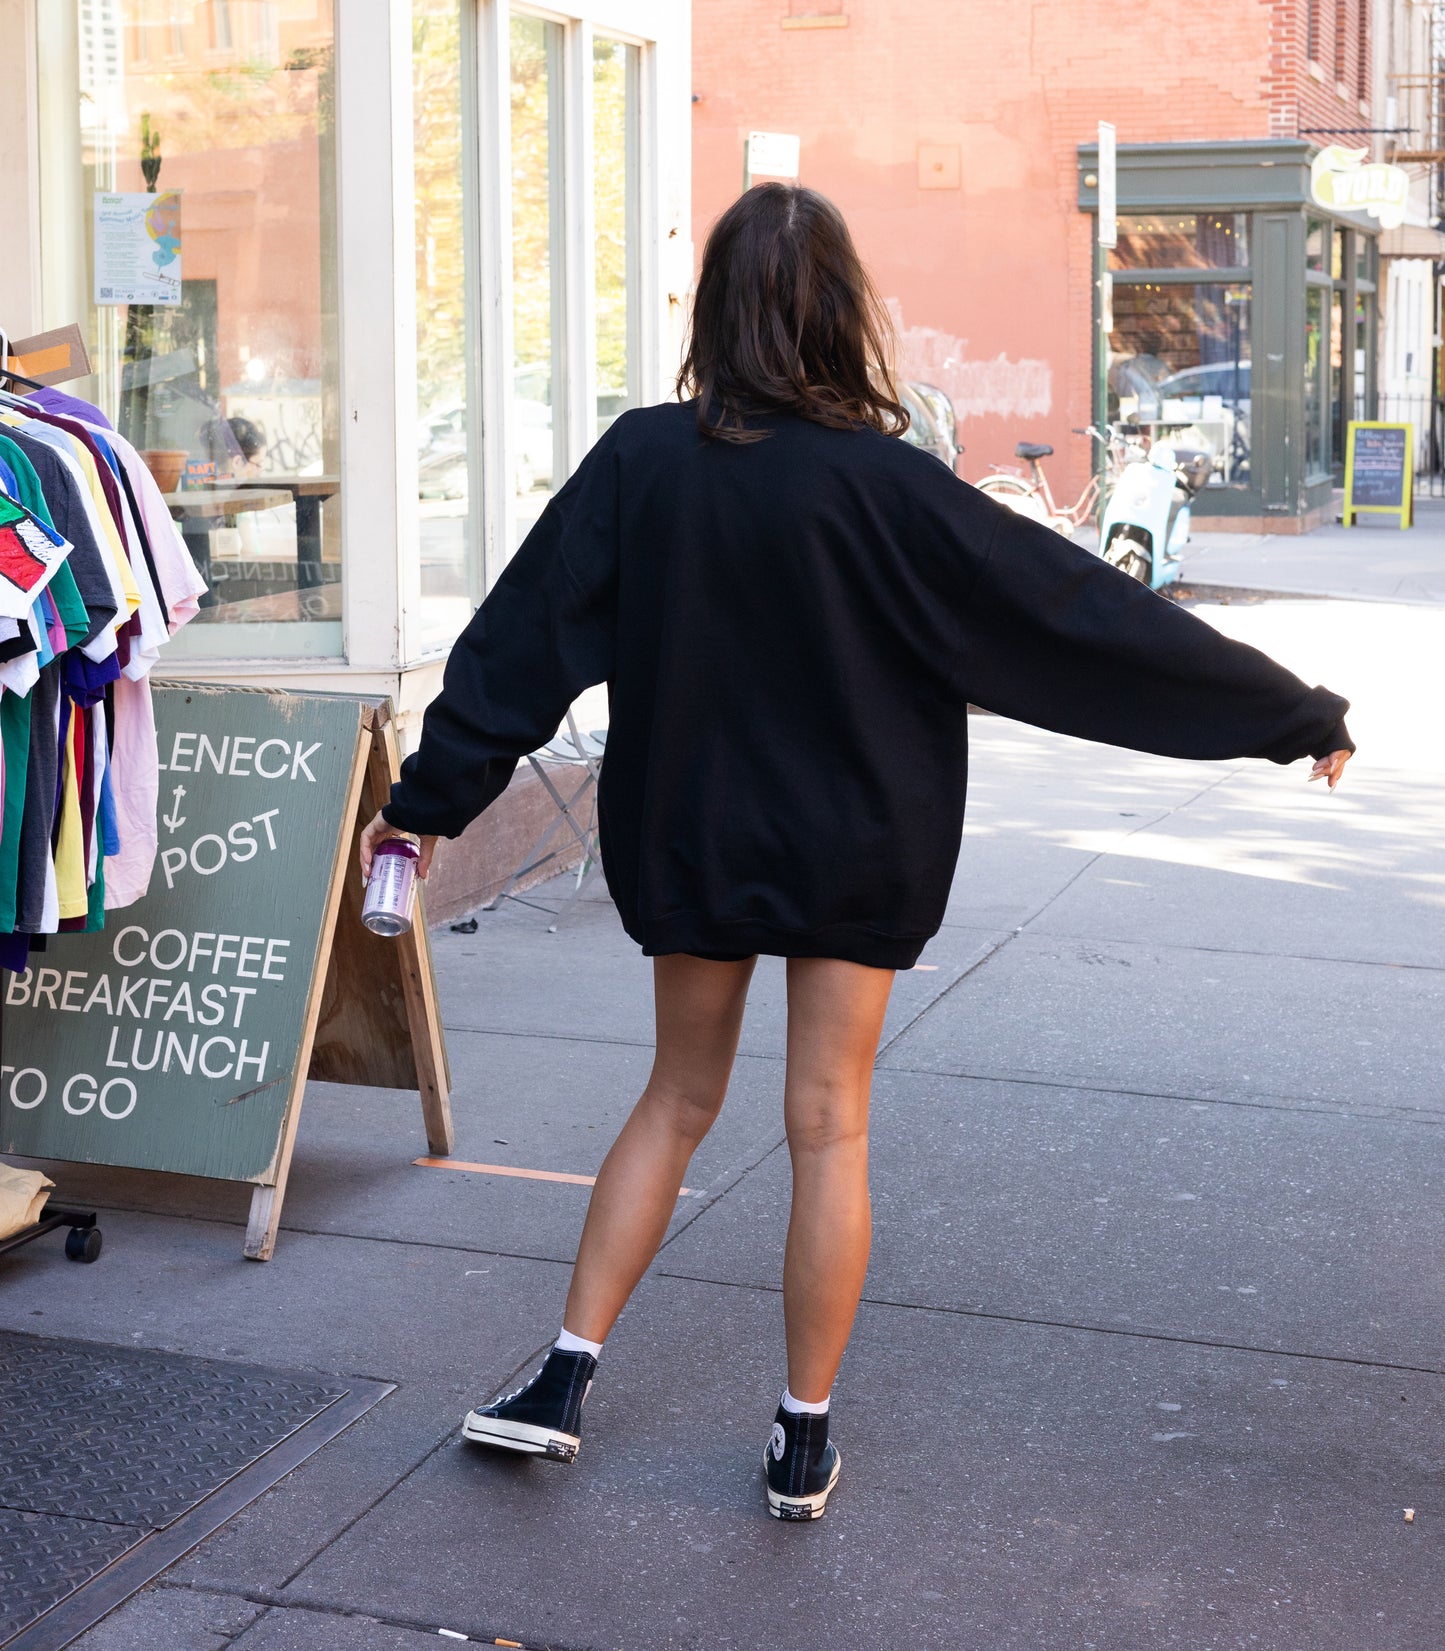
(538,463)
(615,70)
(1182,240)
(217,130)
(1314,380)
(1180,364)
(1338,411)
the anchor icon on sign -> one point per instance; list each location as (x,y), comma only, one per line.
(175,818)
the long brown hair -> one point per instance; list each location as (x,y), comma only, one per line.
(786,320)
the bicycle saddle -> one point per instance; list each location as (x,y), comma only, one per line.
(1032,450)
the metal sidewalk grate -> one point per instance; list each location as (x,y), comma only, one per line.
(115,1460)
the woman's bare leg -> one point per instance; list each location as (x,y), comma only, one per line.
(835,1017)
(699,1018)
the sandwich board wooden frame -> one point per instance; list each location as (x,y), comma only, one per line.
(372,1016)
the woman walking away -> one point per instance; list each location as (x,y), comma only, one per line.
(793,610)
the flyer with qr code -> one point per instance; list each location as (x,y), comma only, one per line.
(138,248)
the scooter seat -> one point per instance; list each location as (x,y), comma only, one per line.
(1032,450)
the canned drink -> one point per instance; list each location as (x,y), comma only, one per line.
(391,888)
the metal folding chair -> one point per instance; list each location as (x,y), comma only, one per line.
(564,749)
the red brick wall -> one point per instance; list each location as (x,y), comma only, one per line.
(1304,95)
(992,279)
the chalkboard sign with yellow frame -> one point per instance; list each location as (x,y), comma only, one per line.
(1379,470)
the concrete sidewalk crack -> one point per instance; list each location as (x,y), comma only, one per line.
(274,1603)
(1243,951)
(1259,1103)
(582,1037)
(1084,1328)
(724,1192)
(375,1502)
(1123,837)
(1058,894)
(326,1232)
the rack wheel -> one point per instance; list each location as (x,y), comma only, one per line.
(83,1244)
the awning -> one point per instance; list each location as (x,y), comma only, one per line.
(1412,241)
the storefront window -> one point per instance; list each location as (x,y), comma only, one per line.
(1182,240)
(1365,257)
(615,68)
(1364,354)
(445,358)
(1179,364)
(197,240)
(1338,412)
(1317,241)
(1314,380)
(538,370)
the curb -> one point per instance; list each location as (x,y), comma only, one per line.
(1200,590)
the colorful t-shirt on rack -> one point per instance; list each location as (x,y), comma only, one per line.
(99,577)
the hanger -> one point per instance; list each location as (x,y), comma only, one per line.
(19,378)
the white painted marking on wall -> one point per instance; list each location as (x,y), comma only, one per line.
(998,387)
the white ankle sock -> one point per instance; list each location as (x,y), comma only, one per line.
(796,1407)
(568,1343)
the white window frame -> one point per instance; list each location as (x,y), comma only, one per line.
(661,30)
(376,296)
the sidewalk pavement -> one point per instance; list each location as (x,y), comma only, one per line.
(1150,1350)
(1374,561)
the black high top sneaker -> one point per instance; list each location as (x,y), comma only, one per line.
(800,1466)
(544,1418)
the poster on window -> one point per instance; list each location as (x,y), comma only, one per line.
(138,248)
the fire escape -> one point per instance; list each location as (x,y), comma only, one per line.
(1420,100)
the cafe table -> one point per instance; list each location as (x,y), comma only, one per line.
(308,493)
(196,509)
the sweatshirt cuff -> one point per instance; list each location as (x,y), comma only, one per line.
(1338,739)
(420,822)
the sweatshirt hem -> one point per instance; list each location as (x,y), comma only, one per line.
(695,933)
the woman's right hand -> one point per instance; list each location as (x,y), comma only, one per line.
(377,833)
(1331,767)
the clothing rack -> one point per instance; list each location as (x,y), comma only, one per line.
(83,1241)
(127,571)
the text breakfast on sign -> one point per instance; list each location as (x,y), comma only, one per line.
(199,985)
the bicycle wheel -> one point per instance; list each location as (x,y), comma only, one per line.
(1020,497)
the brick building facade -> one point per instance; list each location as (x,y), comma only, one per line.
(950,135)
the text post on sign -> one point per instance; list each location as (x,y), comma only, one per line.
(180,1037)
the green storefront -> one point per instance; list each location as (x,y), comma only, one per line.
(1242,319)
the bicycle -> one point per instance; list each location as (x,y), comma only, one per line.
(1033,497)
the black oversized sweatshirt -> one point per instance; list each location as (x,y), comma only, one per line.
(791,633)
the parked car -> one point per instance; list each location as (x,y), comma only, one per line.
(1214,394)
(443,465)
(1206,406)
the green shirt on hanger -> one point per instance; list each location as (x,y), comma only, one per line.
(62,587)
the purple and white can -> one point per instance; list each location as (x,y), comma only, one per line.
(391,888)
